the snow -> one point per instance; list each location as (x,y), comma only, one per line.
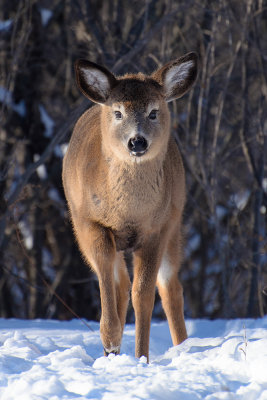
(63,360)
(221,212)
(5,25)
(26,233)
(41,170)
(241,199)
(47,121)
(7,98)
(46,15)
(61,150)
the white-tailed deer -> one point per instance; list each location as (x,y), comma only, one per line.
(124,182)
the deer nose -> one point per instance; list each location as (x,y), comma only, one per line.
(138,145)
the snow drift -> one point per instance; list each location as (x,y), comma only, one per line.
(63,360)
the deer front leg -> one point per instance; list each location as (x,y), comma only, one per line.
(146,264)
(98,247)
(123,285)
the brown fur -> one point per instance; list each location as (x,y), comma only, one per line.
(120,202)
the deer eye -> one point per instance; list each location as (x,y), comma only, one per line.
(118,115)
(153,114)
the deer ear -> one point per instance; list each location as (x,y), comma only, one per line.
(178,76)
(94,80)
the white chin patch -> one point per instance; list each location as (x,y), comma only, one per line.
(165,272)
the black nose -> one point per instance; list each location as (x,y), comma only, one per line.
(138,145)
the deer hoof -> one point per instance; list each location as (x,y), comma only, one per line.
(115,351)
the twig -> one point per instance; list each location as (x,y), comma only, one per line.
(244,350)
(143,42)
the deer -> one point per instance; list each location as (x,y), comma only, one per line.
(124,183)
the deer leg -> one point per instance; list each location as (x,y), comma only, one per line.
(123,285)
(171,291)
(98,247)
(146,264)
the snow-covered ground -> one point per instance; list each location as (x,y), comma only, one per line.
(63,360)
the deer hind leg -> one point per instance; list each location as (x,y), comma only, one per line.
(98,247)
(171,291)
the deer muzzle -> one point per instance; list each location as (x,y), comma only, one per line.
(138,145)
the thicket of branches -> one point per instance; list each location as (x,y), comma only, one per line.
(220,127)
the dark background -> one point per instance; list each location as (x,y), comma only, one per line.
(220,127)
